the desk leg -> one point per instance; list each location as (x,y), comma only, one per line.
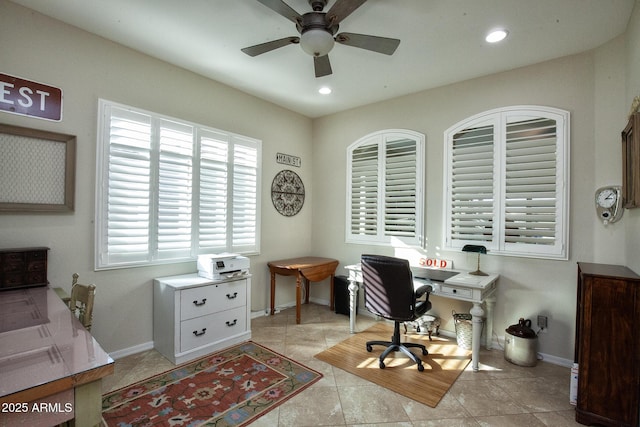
(476,313)
(491,302)
(353,303)
(298,297)
(273,293)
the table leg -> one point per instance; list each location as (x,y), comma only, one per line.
(306,290)
(491,302)
(331,294)
(353,295)
(273,293)
(88,404)
(476,320)
(298,297)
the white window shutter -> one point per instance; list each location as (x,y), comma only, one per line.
(385,197)
(169,190)
(471,216)
(244,233)
(213,204)
(533,192)
(128,201)
(401,186)
(364,190)
(175,187)
(507,182)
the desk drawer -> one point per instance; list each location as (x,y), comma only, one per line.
(212,298)
(456,292)
(213,327)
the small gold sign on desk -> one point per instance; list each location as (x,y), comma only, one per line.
(287,159)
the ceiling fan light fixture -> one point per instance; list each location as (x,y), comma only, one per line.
(496,36)
(316,42)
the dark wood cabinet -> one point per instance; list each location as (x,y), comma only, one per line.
(23,267)
(607,346)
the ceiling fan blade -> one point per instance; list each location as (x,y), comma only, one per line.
(269,46)
(374,43)
(283,9)
(341,9)
(322,65)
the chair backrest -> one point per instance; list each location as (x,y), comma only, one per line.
(81,301)
(388,287)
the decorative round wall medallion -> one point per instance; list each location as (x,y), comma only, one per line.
(287,193)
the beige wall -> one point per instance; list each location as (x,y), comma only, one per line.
(87,67)
(632,220)
(590,85)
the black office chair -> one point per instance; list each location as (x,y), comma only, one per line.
(389,292)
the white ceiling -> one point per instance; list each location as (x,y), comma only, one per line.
(442,42)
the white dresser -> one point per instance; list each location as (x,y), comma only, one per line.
(194,316)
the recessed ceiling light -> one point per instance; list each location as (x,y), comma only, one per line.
(496,36)
(324,90)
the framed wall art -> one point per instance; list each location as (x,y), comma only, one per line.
(37,170)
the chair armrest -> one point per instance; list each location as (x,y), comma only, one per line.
(424,289)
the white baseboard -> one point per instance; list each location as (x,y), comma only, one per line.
(131,350)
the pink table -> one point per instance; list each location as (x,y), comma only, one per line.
(51,368)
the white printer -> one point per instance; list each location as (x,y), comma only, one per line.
(222,266)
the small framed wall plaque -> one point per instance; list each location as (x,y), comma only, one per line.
(37,170)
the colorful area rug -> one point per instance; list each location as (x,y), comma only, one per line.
(442,366)
(229,388)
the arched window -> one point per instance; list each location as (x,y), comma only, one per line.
(507,182)
(385,196)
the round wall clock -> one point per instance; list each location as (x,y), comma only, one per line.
(287,193)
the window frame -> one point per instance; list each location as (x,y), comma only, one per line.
(380,139)
(499,118)
(151,255)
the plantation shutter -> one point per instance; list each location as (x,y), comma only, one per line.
(400,187)
(169,190)
(364,190)
(472,186)
(531,185)
(128,187)
(507,182)
(175,187)
(214,149)
(245,196)
(384,194)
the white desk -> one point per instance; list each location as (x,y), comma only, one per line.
(461,286)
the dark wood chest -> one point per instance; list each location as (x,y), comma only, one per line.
(23,267)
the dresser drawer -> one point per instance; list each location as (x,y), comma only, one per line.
(456,292)
(209,299)
(213,327)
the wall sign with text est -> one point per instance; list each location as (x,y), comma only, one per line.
(29,98)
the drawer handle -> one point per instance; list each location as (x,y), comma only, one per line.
(229,296)
(232,323)
(204,300)
(196,333)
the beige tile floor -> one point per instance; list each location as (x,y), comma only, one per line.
(500,394)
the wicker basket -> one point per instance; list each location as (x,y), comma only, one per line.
(464,329)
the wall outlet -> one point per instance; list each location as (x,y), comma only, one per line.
(542,323)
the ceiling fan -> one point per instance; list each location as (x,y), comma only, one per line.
(318,32)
